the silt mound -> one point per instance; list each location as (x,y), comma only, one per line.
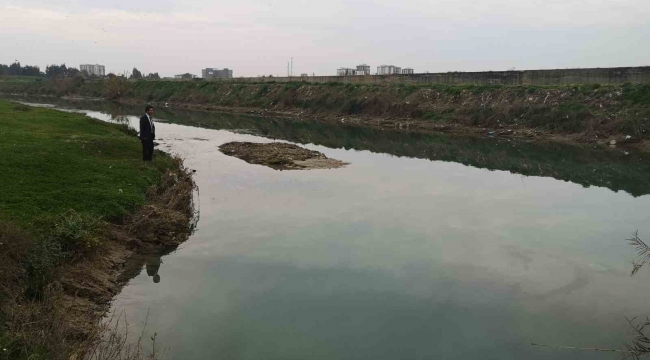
(280,156)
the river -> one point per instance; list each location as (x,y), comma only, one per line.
(424,247)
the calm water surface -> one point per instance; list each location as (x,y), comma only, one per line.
(395,257)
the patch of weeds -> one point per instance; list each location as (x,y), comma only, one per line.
(572,107)
(77,232)
(353,106)
(637,94)
(292,86)
(44,256)
(238,88)
(264,89)
(440,116)
(588,88)
(531,90)
(21,107)
(127,129)
(408,88)
(479,89)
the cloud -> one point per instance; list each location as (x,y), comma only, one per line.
(258,37)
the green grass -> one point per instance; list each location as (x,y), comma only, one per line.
(54,161)
(63,176)
(20,79)
(637,94)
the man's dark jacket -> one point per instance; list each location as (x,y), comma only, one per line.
(146,132)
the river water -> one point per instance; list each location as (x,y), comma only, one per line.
(424,247)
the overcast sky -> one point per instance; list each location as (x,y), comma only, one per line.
(257,37)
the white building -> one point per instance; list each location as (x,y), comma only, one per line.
(185,76)
(407,71)
(346,72)
(363,69)
(98,70)
(212,73)
(388,70)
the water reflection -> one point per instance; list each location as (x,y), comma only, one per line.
(153,266)
(612,169)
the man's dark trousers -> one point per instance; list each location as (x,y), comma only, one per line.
(147,135)
(147,149)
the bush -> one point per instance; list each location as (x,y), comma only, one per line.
(43,257)
(21,107)
(77,232)
(127,129)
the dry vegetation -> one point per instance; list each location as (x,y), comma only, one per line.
(587,113)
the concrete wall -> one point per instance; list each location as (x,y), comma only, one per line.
(635,75)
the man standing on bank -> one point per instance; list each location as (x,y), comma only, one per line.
(147,133)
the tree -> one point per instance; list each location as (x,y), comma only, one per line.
(31,70)
(72,72)
(55,70)
(136,74)
(15,69)
(61,71)
(153,76)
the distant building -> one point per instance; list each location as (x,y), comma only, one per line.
(98,70)
(346,72)
(407,71)
(210,73)
(185,76)
(363,69)
(388,70)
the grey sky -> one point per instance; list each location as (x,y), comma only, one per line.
(256,37)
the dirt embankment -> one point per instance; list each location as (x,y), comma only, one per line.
(280,156)
(64,321)
(582,113)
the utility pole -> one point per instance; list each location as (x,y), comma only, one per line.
(291,67)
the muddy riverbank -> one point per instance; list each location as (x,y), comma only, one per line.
(75,223)
(159,226)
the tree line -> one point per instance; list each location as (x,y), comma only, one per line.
(16,69)
(62,70)
(136,74)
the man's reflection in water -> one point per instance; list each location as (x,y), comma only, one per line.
(153,265)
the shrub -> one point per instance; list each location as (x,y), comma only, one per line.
(21,107)
(43,257)
(77,232)
(127,129)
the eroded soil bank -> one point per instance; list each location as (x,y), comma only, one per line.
(280,156)
(65,321)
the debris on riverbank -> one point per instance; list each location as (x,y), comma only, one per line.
(588,113)
(280,156)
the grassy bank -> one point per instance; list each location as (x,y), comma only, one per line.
(594,111)
(67,181)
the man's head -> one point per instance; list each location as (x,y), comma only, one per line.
(156,278)
(149,110)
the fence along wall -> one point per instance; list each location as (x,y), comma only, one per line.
(635,75)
